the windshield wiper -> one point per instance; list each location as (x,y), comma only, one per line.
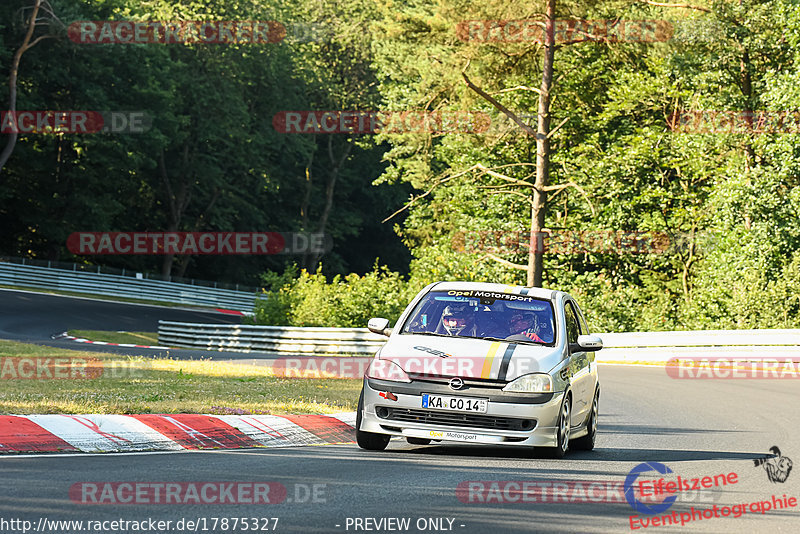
(523,341)
(429,334)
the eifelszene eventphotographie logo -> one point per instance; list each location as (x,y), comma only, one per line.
(630,489)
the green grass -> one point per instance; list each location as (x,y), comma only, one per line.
(129,385)
(137,338)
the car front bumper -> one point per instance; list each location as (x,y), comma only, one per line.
(511,419)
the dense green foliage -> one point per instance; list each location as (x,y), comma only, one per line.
(349,301)
(730,202)
(211,161)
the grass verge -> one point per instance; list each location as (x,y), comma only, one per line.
(129,385)
(137,338)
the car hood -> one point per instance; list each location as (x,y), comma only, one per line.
(468,357)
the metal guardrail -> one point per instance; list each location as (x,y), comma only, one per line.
(635,346)
(662,346)
(92,283)
(274,339)
(132,273)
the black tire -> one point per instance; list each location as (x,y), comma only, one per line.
(563,428)
(418,441)
(586,443)
(368,440)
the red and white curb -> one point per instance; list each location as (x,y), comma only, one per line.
(64,335)
(233,312)
(169,432)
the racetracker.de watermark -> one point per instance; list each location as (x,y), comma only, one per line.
(175,32)
(198,243)
(138,492)
(735,122)
(398,367)
(74,122)
(43,368)
(733,368)
(321,367)
(565,31)
(575,242)
(376,122)
(237,523)
(562,491)
(190,32)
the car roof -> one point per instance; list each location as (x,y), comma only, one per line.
(537,292)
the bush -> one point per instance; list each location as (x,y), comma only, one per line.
(350,301)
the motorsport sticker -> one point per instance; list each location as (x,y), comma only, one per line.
(490,295)
(452,436)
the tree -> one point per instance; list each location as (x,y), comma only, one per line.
(32,22)
(540,186)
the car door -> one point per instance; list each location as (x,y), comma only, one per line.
(579,367)
(590,356)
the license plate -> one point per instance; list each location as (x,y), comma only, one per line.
(454,404)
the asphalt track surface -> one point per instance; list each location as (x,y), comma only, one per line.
(695,427)
(32,317)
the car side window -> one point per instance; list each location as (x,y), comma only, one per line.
(581,321)
(572,324)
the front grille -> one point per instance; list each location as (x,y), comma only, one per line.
(468,382)
(457,419)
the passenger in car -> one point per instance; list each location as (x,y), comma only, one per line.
(523,323)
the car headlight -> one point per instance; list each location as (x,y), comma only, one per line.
(532,383)
(386,370)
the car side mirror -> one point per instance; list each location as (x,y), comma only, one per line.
(379,325)
(587,343)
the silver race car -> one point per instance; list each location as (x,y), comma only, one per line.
(483,363)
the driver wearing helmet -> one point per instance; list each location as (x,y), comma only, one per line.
(459,320)
(523,323)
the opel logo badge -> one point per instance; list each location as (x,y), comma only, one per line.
(456,383)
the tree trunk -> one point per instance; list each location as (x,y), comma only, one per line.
(12,83)
(305,206)
(176,200)
(330,188)
(536,252)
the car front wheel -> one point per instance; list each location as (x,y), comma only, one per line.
(368,440)
(562,430)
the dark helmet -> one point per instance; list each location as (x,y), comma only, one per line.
(455,318)
(522,321)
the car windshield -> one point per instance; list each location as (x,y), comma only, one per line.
(483,315)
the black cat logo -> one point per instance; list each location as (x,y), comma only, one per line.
(777,467)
